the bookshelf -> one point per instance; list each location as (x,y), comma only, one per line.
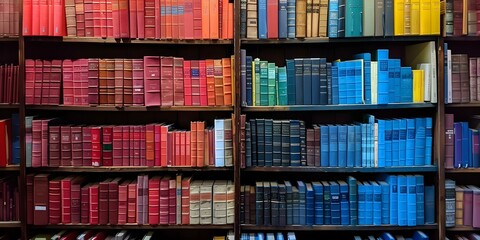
(342,107)
(336,228)
(306,169)
(129,169)
(133,108)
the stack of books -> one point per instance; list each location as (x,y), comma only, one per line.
(461,144)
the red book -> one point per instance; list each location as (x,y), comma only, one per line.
(158,22)
(136,145)
(93,194)
(27,18)
(117,145)
(103,196)
(201,144)
(107,146)
(172,201)
(55,146)
(124,18)
(76,199)
(51,15)
(183,158)
(163,19)
(131,161)
(96,146)
(68,94)
(104,16)
(40,199)
(93,81)
(55,82)
(177,158)
(203,83)
(168,19)
(80,18)
(175,26)
(85,204)
(89,16)
(100,236)
(113,201)
(125,146)
(219,83)
(109,18)
(29,200)
(164,145)
(167,85)
(29,81)
(86,146)
(154,200)
(66,153)
(181,19)
(83,81)
(141,18)
(35,18)
(179,93)
(44,143)
(150,19)
(59,24)
(138,96)
(150,145)
(132,202)
(187,82)
(152,80)
(54,201)
(66,203)
(170,149)
(42,17)
(272,21)
(224,19)
(164,200)
(36,144)
(97,18)
(188,156)
(76,82)
(210,82)
(38,82)
(205,6)
(47,67)
(119,82)
(193,144)
(133,18)
(77,146)
(157,145)
(186,200)
(143,146)
(188,19)
(195,78)
(122,202)
(127,83)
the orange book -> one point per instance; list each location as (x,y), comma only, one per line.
(227,82)
(218,75)
(206,19)
(175,7)
(224,33)
(200,144)
(230,21)
(168,19)
(193,144)
(214,13)
(150,145)
(207,147)
(210,82)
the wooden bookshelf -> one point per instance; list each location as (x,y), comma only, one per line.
(463,105)
(10,224)
(462,39)
(338,228)
(10,168)
(346,107)
(94,40)
(463,170)
(127,169)
(9,106)
(131,108)
(9,38)
(327,40)
(135,226)
(462,229)
(414,169)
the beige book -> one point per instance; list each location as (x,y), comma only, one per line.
(71,20)
(407,13)
(301,18)
(309,17)
(323,18)
(315,17)
(252,31)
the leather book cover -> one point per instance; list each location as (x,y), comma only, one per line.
(195,79)
(227,81)
(131,130)
(36,143)
(150,19)
(107,145)
(164,145)
(66,199)
(113,201)
(127,82)
(83,81)
(102,82)
(124,18)
(157,144)
(138,96)
(37,95)
(132,202)
(203,82)
(80,18)
(47,67)
(93,193)
(52,93)
(164,200)
(117,144)
(40,199)
(187,83)
(197,19)
(218,76)
(87,146)
(54,146)
(152,80)
(29,81)
(93,75)
(116,18)
(163,19)
(140,199)
(76,200)
(123,202)
(179,92)
(150,145)
(183,158)
(109,18)
(158,21)
(54,201)
(170,149)
(193,144)
(136,145)
(85,204)
(177,159)
(141,18)
(449,141)
(110,81)
(172,200)
(205,16)
(456,79)
(125,146)
(88,7)
(154,200)
(76,83)
(167,85)
(186,200)
(133,18)
(168,19)
(103,202)
(98,18)
(200,144)
(119,81)
(77,146)
(66,141)
(181,19)
(188,156)
(210,82)
(175,13)
(44,133)
(96,133)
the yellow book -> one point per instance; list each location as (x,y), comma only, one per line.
(418,85)
(425,17)
(415,17)
(407,16)
(435,29)
(398,17)
(465,17)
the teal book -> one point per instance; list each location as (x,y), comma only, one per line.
(272,85)
(307,81)
(353,18)
(257,82)
(282,86)
(28,143)
(263,83)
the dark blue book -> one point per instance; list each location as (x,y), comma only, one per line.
(291,92)
(388,142)
(475,153)
(329,83)
(307,81)
(368,203)
(303,144)
(387,236)
(243,75)
(274,204)
(249,81)
(302,191)
(367,75)
(470,146)
(324,146)
(266,204)
(385,202)
(335,96)
(248,145)
(402,200)
(327,213)
(318,202)
(353,200)
(457,127)
(342,145)
(395,142)
(411,200)
(410,143)
(289,200)
(262,19)
(259,203)
(358,145)
(341,18)
(253,131)
(406,85)
(362,204)
(333,145)
(419,141)
(309,205)
(299,81)
(282,204)
(243,19)
(335,203)
(295,143)
(291,18)
(429,204)
(296,205)
(402,148)
(260,142)
(15,139)
(344,203)
(419,235)
(350,146)
(277,143)
(377,203)
(323,77)
(282,19)
(285,143)
(428,141)
(420,199)
(315,90)
(268,142)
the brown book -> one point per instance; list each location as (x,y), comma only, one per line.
(244,212)
(70,18)
(201,144)
(252,32)
(179,94)
(459,205)
(119,81)
(93,81)
(310,147)
(227,81)
(40,199)
(472,63)
(110,81)
(209,70)
(218,76)
(301,18)
(464,78)
(449,141)
(102,81)
(103,202)
(252,205)
(193,144)
(127,82)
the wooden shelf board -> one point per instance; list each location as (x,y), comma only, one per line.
(9,38)
(461,39)
(463,170)
(10,168)
(248,227)
(131,108)
(462,229)
(136,226)
(9,106)
(337,107)
(128,41)
(10,224)
(345,170)
(128,169)
(341,40)
(463,105)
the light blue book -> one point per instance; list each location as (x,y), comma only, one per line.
(291,236)
(368,203)
(358,145)
(358,81)
(350,82)
(406,85)
(381,143)
(370,119)
(272,86)
(388,142)
(411,200)
(393,183)
(350,146)
(270,236)
(291,21)
(333,19)
(342,145)
(282,86)
(324,146)
(365,162)
(259,236)
(262,19)
(381,56)
(428,142)
(333,145)
(402,200)
(391,80)
(377,203)
(342,83)
(367,76)
(279,236)
(420,141)
(420,199)
(402,149)
(219,142)
(344,203)
(410,143)
(362,204)
(385,202)
(395,142)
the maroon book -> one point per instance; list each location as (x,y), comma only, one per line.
(87,146)
(103,208)
(242,140)
(150,145)
(66,203)
(122,202)
(153,200)
(113,201)
(132,202)
(40,199)
(464,78)
(55,82)
(67,78)
(55,146)
(157,144)
(66,154)
(94,204)
(54,201)
(476,208)
(172,201)
(47,68)
(143,146)
(458,18)
(102,82)
(93,73)
(472,62)
(107,145)
(449,141)
(30,194)
(179,93)
(85,204)
(110,81)
(317,145)
(76,196)
(127,82)
(119,82)
(140,199)
(136,145)
(37,94)
(44,132)
(167,84)
(117,145)
(170,148)
(132,146)
(164,200)
(84,73)
(77,80)
(138,89)
(456,79)
(125,145)
(310,147)
(152,80)
(29,81)
(467,206)
(77,146)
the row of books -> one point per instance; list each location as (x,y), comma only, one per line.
(462,78)
(104,235)
(151,81)
(10,141)
(376,143)
(462,204)
(9,15)
(9,198)
(9,83)
(417,235)
(274,19)
(395,200)
(50,144)
(146,200)
(461,18)
(369,79)
(268,236)
(462,148)
(472,236)
(142,19)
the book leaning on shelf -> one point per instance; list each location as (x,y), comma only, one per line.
(400,200)
(462,205)
(371,78)
(134,19)
(50,144)
(145,200)
(151,81)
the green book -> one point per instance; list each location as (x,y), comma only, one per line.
(263,83)
(282,86)
(272,85)
(257,82)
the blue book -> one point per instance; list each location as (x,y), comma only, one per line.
(277,143)
(364,145)
(333,146)
(385,202)
(329,83)
(260,123)
(267,204)
(333,19)
(411,200)
(243,67)
(15,139)
(362,205)
(397,80)
(429,204)
(315,88)
(249,81)
(353,200)
(368,203)
(342,145)
(358,81)
(428,141)
(289,196)
(350,146)
(387,236)
(465,145)
(341,18)
(279,236)
(282,19)
(318,202)
(268,142)
(377,203)
(270,236)
(291,92)
(253,139)
(388,142)
(335,203)
(327,213)
(402,148)
(420,199)
(291,236)
(298,81)
(370,119)
(406,83)
(402,200)
(262,19)
(302,191)
(353,18)
(259,236)
(296,205)
(282,86)
(342,82)
(381,143)
(393,183)
(395,142)
(285,143)
(344,203)
(475,154)
(419,235)
(259,203)
(457,127)
(307,81)
(410,143)
(358,145)
(335,96)
(419,141)
(323,78)
(348,85)
(294,143)
(309,205)
(291,15)
(470,145)
(381,56)
(324,146)
(367,76)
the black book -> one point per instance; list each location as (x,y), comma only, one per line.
(303,144)
(242,205)
(260,142)
(329,83)
(323,82)
(253,131)
(285,143)
(326,203)
(274,203)
(248,145)
(277,143)
(289,201)
(266,204)
(268,142)
(259,203)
